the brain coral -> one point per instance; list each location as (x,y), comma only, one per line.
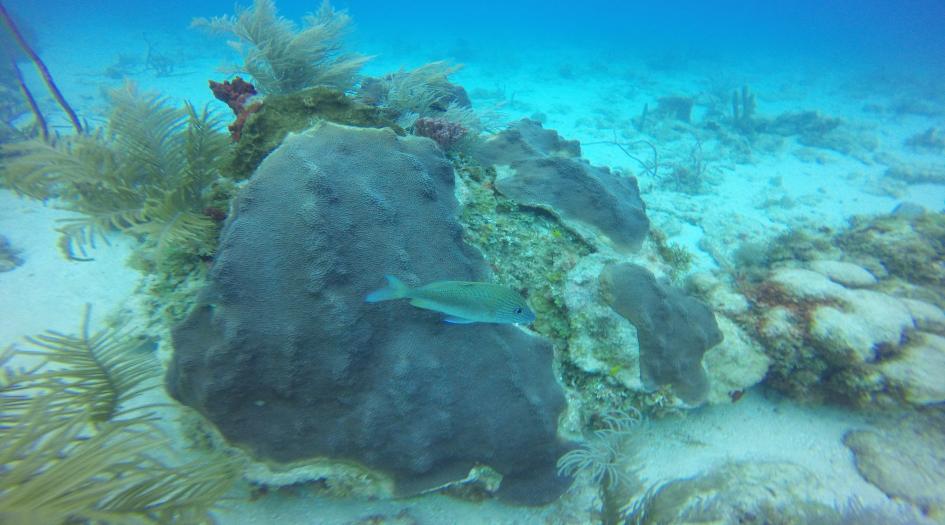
(286,358)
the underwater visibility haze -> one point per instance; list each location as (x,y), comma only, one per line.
(472,263)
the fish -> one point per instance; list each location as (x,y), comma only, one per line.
(463,302)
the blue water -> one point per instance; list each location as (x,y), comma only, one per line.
(875,32)
(595,71)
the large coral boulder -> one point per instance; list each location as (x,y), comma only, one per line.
(289,362)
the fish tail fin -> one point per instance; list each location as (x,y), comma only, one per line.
(395,289)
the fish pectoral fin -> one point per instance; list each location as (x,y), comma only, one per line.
(458,320)
(423,303)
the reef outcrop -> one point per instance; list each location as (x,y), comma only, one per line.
(290,363)
(541,169)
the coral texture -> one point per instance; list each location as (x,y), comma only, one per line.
(287,359)
(905,462)
(442,131)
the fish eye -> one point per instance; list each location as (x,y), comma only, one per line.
(518,310)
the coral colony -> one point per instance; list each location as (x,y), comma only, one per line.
(236,94)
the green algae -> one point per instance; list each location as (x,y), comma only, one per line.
(280,115)
(528,249)
(677,257)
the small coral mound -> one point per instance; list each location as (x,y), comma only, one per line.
(905,461)
(546,171)
(758,494)
(911,248)
(674,329)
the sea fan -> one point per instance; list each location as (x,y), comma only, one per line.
(103,369)
(605,456)
(69,455)
(282,59)
(55,470)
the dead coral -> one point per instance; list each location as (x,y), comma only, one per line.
(912,249)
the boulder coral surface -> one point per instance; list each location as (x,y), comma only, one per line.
(290,363)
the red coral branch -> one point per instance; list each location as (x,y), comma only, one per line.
(444,132)
(236,94)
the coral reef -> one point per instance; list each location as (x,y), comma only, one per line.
(283,59)
(602,358)
(546,171)
(527,249)
(845,342)
(426,103)
(674,329)
(909,248)
(286,358)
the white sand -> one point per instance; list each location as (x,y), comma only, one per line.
(756,429)
(49,292)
